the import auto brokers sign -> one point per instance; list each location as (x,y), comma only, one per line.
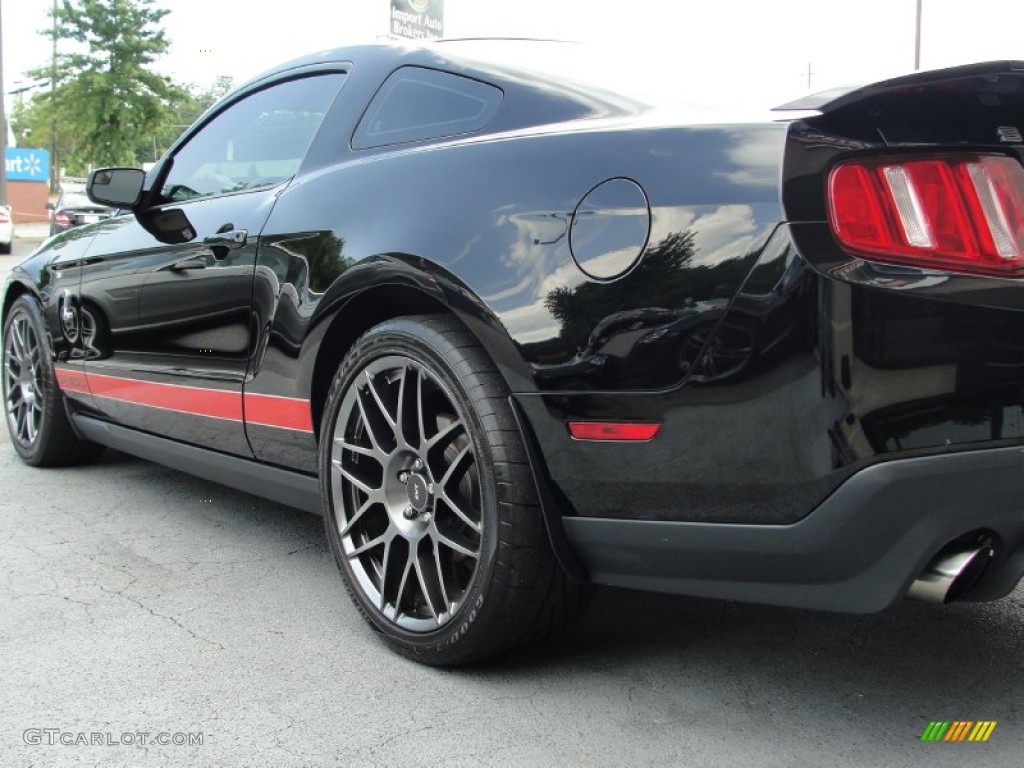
(27,164)
(417,19)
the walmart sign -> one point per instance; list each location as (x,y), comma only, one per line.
(27,164)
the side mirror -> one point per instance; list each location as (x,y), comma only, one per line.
(116,187)
(51,207)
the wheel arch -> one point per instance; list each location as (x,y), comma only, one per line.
(15,290)
(354,317)
(357,311)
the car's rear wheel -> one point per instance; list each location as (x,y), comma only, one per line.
(33,404)
(430,506)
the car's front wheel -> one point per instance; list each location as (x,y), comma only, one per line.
(430,506)
(33,404)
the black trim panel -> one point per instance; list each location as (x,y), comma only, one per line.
(290,488)
(549,506)
(857,552)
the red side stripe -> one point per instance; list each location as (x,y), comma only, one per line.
(261,410)
(173,397)
(72,381)
(283,412)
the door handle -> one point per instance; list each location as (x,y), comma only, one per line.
(226,240)
(194,263)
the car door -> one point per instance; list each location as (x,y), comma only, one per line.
(170,286)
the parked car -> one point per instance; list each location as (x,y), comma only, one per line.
(73,209)
(6,229)
(515,331)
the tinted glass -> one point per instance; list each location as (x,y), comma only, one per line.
(257,142)
(75,200)
(415,104)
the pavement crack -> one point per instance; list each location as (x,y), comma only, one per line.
(372,748)
(157,614)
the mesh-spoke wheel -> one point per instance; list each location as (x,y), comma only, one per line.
(429,503)
(33,405)
(23,381)
(407,484)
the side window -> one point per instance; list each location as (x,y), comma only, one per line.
(256,142)
(416,103)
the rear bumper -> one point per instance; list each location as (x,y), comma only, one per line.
(858,551)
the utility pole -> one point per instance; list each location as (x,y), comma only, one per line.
(810,72)
(3,118)
(917,37)
(54,166)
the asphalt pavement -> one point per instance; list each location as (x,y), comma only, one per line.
(138,604)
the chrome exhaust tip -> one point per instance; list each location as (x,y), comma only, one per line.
(950,574)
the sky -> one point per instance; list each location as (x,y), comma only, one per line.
(758,49)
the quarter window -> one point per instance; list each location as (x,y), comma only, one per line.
(416,103)
(257,142)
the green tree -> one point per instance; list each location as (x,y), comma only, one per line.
(110,84)
(106,100)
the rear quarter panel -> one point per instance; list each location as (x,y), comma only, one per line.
(489,220)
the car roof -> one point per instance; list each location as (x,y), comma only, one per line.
(536,61)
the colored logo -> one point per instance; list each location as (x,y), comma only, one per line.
(958,730)
(27,164)
(420,6)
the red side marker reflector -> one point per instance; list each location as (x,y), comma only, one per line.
(613,430)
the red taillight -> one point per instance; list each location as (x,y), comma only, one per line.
(613,430)
(4,218)
(63,219)
(956,212)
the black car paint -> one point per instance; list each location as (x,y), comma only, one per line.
(850,363)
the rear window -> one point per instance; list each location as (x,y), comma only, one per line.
(416,104)
(76,200)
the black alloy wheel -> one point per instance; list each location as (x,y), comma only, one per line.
(408,488)
(23,381)
(33,405)
(446,562)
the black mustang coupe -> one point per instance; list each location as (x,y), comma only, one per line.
(516,329)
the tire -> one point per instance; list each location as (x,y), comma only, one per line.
(5,248)
(33,404)
(429,502)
